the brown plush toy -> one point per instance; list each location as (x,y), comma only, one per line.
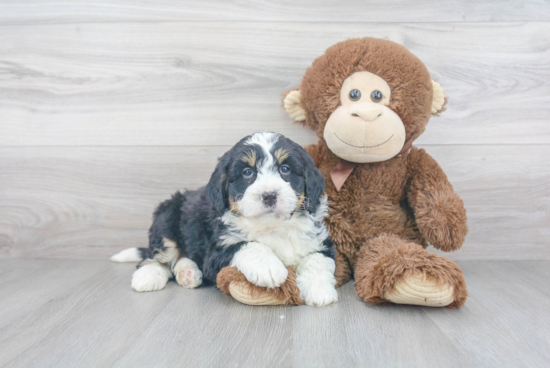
(368,100)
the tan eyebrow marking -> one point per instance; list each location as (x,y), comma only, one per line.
(250,158)
(281,154)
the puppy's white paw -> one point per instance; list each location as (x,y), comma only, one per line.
(315,279)
(188,274)
(150,277)
(319,294)
(270,272)
(260,265)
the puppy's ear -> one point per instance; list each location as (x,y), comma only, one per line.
(315,182)
(216,189)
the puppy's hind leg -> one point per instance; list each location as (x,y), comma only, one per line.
(150,276)
(187,273)
(153,274)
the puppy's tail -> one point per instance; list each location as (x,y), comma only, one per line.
(131,255)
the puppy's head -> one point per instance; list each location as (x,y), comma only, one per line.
(266,174)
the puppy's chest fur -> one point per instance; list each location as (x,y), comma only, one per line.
(290,239)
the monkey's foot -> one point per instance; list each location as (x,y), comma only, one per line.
(242,292)
(392,269)
(232,282)
(416,289)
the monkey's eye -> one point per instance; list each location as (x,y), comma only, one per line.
(284,169)
(354,95)
(247,173)
(376,96)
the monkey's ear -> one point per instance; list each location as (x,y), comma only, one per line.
(293,106)
(438,100)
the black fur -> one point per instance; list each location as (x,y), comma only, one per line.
(192,219)
(218,184)
(329,250)
(315,183)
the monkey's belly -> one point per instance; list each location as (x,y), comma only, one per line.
(383,218)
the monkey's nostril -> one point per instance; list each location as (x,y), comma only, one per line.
(269,199)
(354,114)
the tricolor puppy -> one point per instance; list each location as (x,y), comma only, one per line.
(262,210)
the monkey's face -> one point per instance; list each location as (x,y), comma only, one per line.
(368,98)
(363,128)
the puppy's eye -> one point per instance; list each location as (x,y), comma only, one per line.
(376,96)
(247,173)
(284,169)
(354,95)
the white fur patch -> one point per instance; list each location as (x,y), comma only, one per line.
(260,265)
(315,279)
(268,181)
(291,239)
(266,140)
(251,204)
(151,277)
(127,255)
(187,273)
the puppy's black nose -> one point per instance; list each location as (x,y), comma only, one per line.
(269,199)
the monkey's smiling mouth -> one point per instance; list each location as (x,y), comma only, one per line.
(351,145)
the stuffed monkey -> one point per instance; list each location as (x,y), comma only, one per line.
(368,100)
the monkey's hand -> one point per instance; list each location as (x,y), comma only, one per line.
(441,219)
(439,211)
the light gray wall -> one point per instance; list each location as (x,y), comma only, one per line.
(108,107)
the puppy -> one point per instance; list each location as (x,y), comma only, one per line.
(262,210)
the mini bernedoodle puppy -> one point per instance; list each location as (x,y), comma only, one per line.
(262,210)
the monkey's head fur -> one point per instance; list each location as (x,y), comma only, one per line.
(368,98)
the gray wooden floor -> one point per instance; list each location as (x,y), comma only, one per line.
(78,313)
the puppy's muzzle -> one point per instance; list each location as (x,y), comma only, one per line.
(269,199)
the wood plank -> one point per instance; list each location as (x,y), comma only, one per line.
(353,333)
(92,317)
(210,83)
(205,328)
(506,192)
(507,308)
(80,195)
(90,202)
(20,296)
(103,321)
(100,312)
(79,11)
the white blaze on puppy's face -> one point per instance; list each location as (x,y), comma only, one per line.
(364,129)
(269,193)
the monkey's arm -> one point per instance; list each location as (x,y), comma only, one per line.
(439,211)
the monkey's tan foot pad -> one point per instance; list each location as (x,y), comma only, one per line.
(242,292)
(417,290)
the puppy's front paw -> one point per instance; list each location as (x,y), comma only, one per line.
(260,265)
(319,294)
(270,272)
(316,280)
